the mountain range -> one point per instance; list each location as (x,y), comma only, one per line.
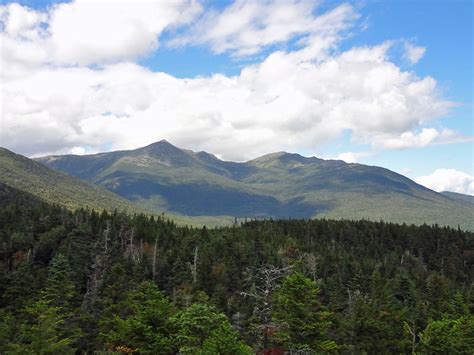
(162,177)
(23,179)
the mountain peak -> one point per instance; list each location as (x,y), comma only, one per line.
(162,146)
(283,157)
(283,185)
(166,152)
(159,143)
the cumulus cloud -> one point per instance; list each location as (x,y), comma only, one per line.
(413,53)
(291,100)
(282,103)
(86,32)
(448,180)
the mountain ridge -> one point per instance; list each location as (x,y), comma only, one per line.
(22,178)
(161,176)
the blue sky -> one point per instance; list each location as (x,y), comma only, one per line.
(241,79)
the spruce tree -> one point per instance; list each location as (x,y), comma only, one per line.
(301,320)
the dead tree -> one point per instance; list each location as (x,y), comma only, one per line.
(411,330)
(311,263)
(132,251)
(193,266)
(94,283)
(265,283)
(154,258)
(106,235)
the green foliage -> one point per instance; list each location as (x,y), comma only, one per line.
(201,329)
(144,326)
(84,281)
(449,336)
(55,187)
(438,288)
(8,330)
(300,318)
(224,340)
(43,332)
(21,286)
(59,290)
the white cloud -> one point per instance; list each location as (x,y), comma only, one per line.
(427,136)
(77,151)
(448,180)
(86,32)
(21,22)
(291,100)
(353,157)
(282,103)
(246,27)
(413,53)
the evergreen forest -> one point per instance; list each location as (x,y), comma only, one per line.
(113,283)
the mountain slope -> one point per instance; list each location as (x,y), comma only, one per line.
(23,179)
(459,197)
(10,195)
(29,176)
(162,176)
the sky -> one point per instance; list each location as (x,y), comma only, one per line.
(387,83)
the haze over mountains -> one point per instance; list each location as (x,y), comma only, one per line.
(162,177)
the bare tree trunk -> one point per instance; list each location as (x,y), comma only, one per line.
(106,233)
(141,250)
(154,258)
(412,331)
(312,265)
(193,266)
(266,281)
(122,242)
(94,283)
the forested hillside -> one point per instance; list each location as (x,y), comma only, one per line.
(104,281)
(459,197)
(28,177)
(52,186)
(163,177)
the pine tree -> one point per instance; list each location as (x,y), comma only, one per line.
(60,290)
(224,340)
(302,321)
(200,328)
(60,295)
(145,325)
(44,332)
(21,287)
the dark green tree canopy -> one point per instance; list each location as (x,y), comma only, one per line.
(86,281)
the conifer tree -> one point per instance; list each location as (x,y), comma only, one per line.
(43,332)
(145,324)
(200,328)
(60,290)
(302,321)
